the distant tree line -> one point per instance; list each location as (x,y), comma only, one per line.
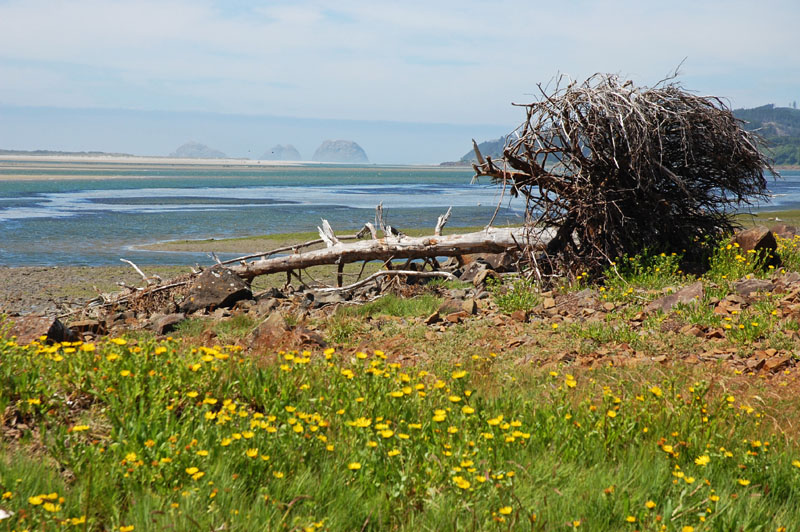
(779,126)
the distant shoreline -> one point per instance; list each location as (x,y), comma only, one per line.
(48,162)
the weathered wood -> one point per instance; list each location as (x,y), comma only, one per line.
(490,240)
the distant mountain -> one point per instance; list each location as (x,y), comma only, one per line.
(340,151)
(195,150)
(490,148)
(282,153)
(780,126)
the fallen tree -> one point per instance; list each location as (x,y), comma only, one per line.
(391,247)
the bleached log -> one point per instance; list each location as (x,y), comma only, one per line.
(490,240)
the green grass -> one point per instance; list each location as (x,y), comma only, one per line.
(392,305)
(154,435)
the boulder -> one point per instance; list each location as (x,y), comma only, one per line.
(30,328)
(758,238)
(215,288)
(687,294)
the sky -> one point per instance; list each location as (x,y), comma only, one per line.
(410,81)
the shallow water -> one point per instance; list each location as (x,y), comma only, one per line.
(101,216)
(98,221)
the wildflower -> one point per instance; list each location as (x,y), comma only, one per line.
(393,452)
(650,505)
(667,449)
(119,341)
(75,521)
(611,413)
(461,482)
(454,398)
(34,401)
(125,528)
(130,457)
(630,519)
(50,507)
(655,390)
(702,460)
(36,500)
(687,528)
(796,463)
(191,470)
(459,374)
(505,510)
(80,428)
(354,466)
(251,453)
(202,452)
(278,474)
(467,410)
(743,482)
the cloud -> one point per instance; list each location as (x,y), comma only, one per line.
(439,61)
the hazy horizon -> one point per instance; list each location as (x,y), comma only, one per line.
(158,133)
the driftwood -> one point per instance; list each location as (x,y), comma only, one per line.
(490,240)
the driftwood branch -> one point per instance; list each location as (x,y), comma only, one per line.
(490,240)
(441,221)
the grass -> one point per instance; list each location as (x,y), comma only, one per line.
(153,434)
(139,434)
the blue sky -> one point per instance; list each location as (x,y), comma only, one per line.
(449,62)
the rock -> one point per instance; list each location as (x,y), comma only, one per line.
(264,306)
(449,306)
(456,317)
(340,151)
(195,150)
(784,231)
(215,288)
(94,327)
(469,306)
(321,299)
(167,324)
(268,332)
(759,239)
(745,287)
(687,294)
(481,277)
(776,363)
(499,262)
(282,153)
(270,293)
(548,302)
(472,270)
(307,337)
(520,316)
(30,328)
(433,318)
